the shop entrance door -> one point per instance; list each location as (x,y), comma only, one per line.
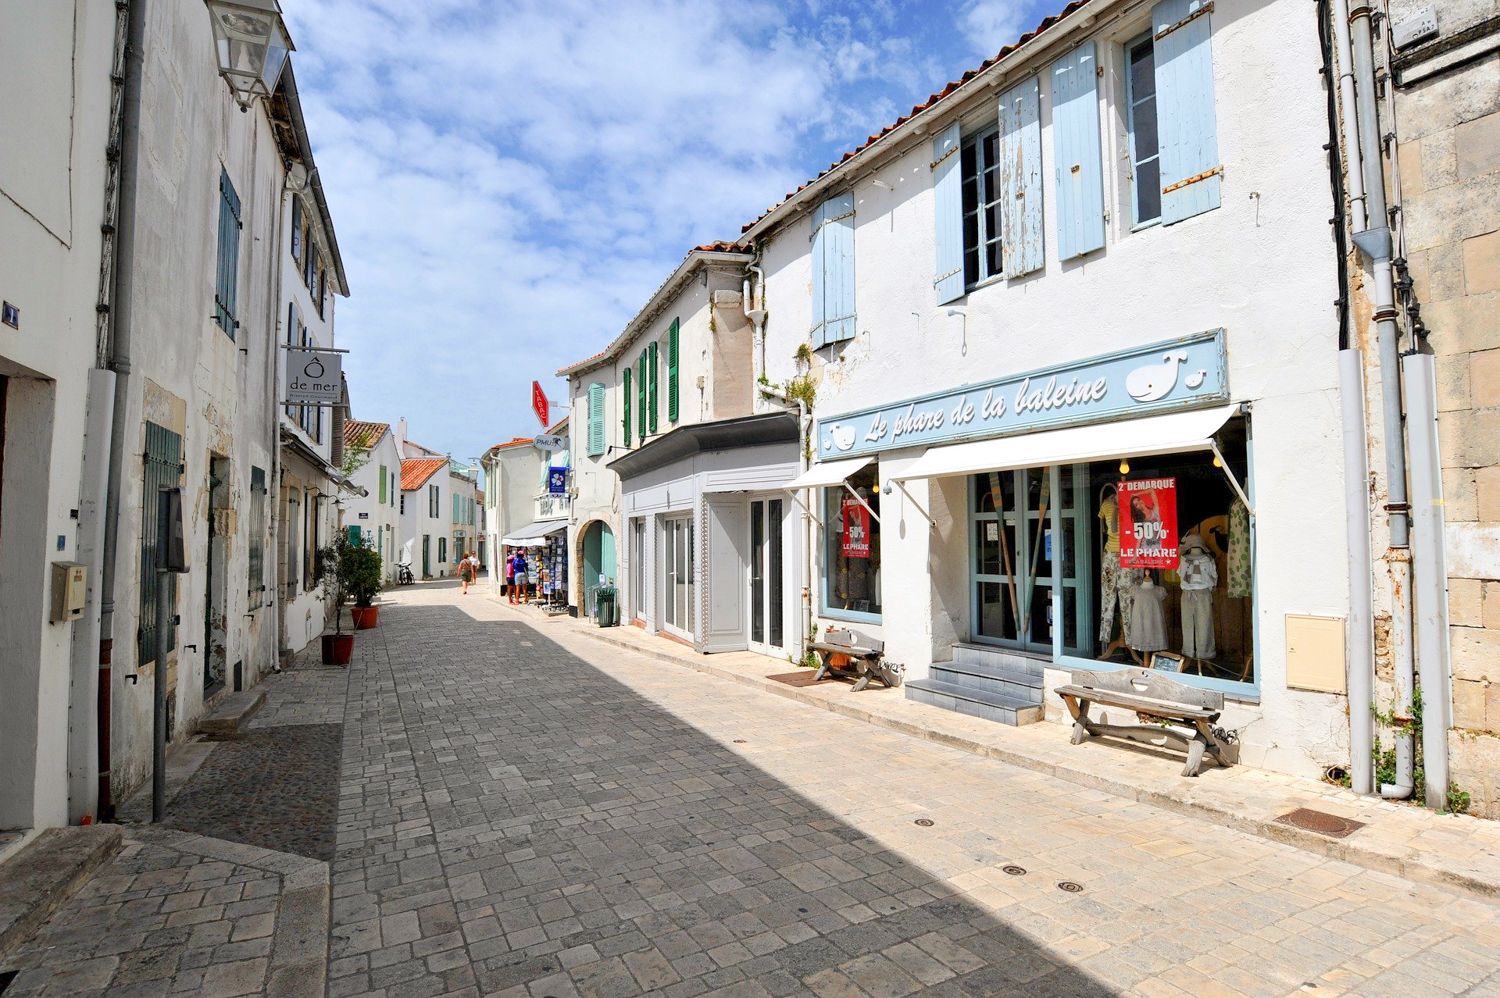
(767,601)
(677,576)
(1030,540)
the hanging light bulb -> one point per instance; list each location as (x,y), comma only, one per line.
(1124,466)
(1217,462)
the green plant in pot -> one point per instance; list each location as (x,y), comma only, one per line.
(364,585)
(334,567)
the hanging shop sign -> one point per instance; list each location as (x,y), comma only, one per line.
(1174,374)
(854,536)
(1148,523)
(312,376)
(539,404)
(557,481)
(549,442)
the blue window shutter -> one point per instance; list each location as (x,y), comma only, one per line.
(1076,152)
(624,404)
(819,269)
(1020,160)
(838,259)
(596,419)
(1190,166)
(948,206)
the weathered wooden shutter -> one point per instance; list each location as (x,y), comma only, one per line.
(948,205)
(1020,162)
(227,275)
(817,257)
(596,419)
(1190,167)
(640,395)
(163,468)
(672,336)
(652,366)
(1076,151)
(838,262)
(624,404)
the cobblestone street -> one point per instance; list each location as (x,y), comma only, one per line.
(526,812)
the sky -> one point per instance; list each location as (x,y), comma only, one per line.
(510,180)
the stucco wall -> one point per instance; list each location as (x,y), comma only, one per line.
(1261,266)
(382,518)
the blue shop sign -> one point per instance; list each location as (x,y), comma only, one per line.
(1175,374)
(557,481)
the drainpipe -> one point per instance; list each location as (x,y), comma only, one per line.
(117,356)
(804,427)
(757,316)
(1375,242)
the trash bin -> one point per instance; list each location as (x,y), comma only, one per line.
(608,606)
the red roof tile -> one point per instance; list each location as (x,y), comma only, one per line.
(358,433)
(414,473)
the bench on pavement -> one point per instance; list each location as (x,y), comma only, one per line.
(844,653)
(1149,693)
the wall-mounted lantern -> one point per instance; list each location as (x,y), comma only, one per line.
(252,45)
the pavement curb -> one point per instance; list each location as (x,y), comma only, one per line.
(1423,868)
(46,872)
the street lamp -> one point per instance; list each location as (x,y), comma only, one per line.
(252,45)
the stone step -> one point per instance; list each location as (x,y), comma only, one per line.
(1002,679)
(45,873)
(972,654)
(975,703)
(232,714)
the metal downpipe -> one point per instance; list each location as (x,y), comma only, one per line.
(1361,601)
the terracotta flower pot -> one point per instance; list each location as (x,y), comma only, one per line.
(338,649)
(365,617)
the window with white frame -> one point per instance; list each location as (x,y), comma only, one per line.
(1145,152)
(983,258)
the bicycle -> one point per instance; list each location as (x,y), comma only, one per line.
(404,576)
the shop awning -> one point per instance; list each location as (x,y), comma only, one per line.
(827,473)
(534,535)
(1173,433)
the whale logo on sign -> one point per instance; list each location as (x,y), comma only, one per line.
(1154,381)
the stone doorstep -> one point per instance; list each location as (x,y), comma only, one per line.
(1246,799)
(39,878)
(232,713)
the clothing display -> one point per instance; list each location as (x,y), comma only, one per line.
(1109,513)
(1197,568)
(1239,550)
(1147,630)
(1198,623)
(1116,587)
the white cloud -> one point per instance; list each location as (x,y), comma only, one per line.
(990,25)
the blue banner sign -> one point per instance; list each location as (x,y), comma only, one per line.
(557,481)
(1176,374)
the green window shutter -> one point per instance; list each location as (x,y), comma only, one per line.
(226,281)
(596,419)
(651,368)
(382,485)
(625,402)
(672,406)
(640,396)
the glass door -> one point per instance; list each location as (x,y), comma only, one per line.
(678,581)
(1028,543)
(766,576)
(638,568)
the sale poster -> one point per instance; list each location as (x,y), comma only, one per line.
(855,535)
(1148,523)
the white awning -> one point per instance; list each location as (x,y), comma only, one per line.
(534,535)
(827,473)
(1173,433)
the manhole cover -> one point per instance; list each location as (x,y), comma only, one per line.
(1071,887)
(1014,871)
(739,741)
(925,822)
(1321,822)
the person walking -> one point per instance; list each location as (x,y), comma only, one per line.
(466,571)
(510,577)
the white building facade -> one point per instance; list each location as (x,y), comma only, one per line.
(370,450)
(1029,316)
(426,516)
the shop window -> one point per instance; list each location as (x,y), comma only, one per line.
(851,557)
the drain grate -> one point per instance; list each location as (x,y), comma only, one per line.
(739,741)
(925,822)
(1321,822)
(1071,887)
(1014,871)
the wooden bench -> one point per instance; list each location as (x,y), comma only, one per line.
(865,660)
(1150,693)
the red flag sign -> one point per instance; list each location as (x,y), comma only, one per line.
(539,403)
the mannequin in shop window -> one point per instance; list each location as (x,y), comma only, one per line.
(1148,617)
(1200,576)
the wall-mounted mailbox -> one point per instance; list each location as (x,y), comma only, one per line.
(69,590)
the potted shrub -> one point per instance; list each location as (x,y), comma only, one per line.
(364,585)
(334,565)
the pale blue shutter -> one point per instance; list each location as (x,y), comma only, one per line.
(816,259)
(948,206)
(596,419)
(1020,161)
(1190,165)
(1075,149)
(838,263)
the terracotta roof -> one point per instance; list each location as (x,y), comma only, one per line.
(931,102)
(414,473)
(358,433)
(514,442)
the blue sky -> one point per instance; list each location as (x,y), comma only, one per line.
(509,180)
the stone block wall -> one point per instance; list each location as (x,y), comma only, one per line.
(1448,129)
